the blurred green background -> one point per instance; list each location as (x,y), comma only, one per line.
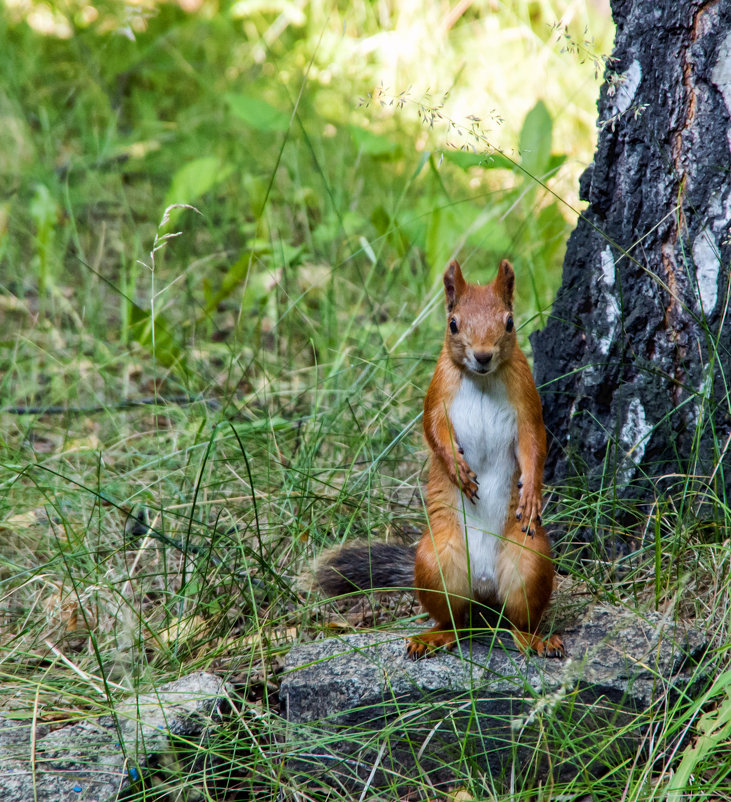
(338,153)
(285,330)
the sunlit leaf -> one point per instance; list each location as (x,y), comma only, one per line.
(257,112)
(374,144)
(488,161)
(193,180)
(535,140)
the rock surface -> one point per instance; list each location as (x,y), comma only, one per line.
(359,711)
(96,759)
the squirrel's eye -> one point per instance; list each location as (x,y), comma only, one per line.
(509,323)
(453,327)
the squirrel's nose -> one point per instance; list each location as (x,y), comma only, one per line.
(483,357)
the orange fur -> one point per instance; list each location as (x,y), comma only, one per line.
(480,347)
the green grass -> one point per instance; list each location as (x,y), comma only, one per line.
(281,336)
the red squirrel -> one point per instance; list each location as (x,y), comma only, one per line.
(484,544)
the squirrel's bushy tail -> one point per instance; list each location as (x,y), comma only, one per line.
(366,566)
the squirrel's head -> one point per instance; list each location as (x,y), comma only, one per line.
(480,329)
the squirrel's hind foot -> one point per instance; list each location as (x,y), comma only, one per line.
(552,646)
(425,643)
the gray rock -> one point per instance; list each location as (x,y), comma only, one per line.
(360,712)
(95,760)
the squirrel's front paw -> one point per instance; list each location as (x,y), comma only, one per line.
(529,507)
(465,478)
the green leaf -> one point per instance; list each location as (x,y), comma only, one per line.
(445,228)
(268,424)
(371,144)
(556,160)
(195,179)
(488,161)
(389,227)
(233,278)
(43,208)
(713,731)
(535,140)
(492,238)
(381,220)
(167,348)
(257,112)
(258,284)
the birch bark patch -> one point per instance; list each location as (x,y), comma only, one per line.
(607,331)
(707,263)
(635,430)
(628,87)
(721,74)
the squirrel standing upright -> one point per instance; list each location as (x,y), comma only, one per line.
(484,542)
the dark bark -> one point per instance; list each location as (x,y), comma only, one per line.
(634,361)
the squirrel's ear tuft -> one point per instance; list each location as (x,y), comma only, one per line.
(454,283)
(505,282)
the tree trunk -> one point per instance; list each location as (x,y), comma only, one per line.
(634,362)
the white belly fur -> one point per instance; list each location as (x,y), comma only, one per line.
(486,428)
